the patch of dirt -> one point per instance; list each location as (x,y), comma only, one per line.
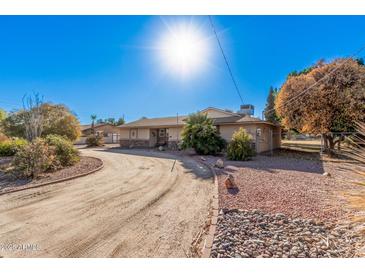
(9,183)
(136,206)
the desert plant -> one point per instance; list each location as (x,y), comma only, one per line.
(33,159)
(357,144)
(94,140)
(65,153)
(200,133)
(239,149)
(10,147)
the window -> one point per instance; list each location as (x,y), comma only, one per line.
(162,132)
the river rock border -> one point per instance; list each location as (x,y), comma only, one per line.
(208,243)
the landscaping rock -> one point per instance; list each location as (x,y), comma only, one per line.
(219,163)
(247,234)
(229,182)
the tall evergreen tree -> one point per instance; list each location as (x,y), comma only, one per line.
(269,111)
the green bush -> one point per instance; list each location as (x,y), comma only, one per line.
(33,159)
(10,147)
(200,133)
(94,140)
(65,153)
(240,149)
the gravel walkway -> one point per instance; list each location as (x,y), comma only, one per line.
(246,234)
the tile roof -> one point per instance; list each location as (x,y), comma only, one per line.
(171,121)
(84,127)
(155,122)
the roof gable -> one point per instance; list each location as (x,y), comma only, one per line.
(218,113)
(155,122)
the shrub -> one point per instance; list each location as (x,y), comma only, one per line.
(200,133)
(33,159)
(94,140)
(56,119)
(65,153)
(239,149)
(11,147)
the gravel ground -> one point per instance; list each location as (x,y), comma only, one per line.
(246,234)
(295,187)
(86,164)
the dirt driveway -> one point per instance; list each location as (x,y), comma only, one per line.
(134,207)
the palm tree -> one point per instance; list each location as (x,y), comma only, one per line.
(93,118)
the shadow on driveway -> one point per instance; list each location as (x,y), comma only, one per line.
(190,165)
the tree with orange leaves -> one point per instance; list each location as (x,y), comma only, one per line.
(334,104)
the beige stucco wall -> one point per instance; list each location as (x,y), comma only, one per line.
(175,133)
(262,142)
(124,133)
(135,134)
(226,131)
(143,134)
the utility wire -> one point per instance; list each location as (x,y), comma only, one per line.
(319,81)
(225,58)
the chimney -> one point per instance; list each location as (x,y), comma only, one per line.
(247,110)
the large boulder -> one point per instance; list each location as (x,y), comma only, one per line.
(219,163)
(229,182)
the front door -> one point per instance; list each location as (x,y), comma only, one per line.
(162,136)
(153,137)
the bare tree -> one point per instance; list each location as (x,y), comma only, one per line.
(33,116)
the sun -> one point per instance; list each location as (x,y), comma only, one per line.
(184,49)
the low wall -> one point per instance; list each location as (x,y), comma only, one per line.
(80,141)
(134,143)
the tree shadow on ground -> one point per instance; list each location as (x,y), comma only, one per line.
(276,163)
(190,165)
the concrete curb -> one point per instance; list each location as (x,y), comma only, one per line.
(59,180)
(208,243)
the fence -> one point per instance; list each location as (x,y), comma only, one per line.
(319,144)
(111,138)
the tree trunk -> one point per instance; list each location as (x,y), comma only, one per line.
(329,143)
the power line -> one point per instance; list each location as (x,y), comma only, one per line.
(320,80)
(225,59)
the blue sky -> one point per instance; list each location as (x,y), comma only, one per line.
(109,65)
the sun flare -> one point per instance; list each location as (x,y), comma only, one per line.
(184,49)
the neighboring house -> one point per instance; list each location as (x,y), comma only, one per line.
(110,133)
(167,130)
